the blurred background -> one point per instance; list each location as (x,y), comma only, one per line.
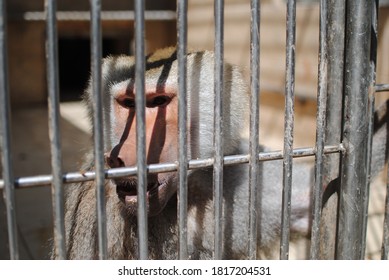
(28,87)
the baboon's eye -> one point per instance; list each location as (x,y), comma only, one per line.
(158,101)
(126,102)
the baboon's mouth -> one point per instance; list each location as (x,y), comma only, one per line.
(127,191)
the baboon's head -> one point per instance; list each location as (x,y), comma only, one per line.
(161,118)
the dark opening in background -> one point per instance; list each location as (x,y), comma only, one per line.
(74,63)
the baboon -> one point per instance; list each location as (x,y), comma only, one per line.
(161,145)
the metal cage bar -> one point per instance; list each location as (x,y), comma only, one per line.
(105,15)
(385,239)
(74,177)
(381,87)
(254,128)
(54,126)
(335,43)
(5,139)
(182,27)
(320,132)
(97,101)
(288,127)
(370,110)
(359,80)
(355,128)
(140,102)
(218,128)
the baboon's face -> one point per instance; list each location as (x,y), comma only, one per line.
(161,144)
(161,112)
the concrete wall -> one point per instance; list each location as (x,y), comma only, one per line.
(273,34)
(26,41)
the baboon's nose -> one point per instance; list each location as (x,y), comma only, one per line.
(114,161)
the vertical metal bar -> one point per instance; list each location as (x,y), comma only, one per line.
(182,27)
(335,43)
(320,132)
(140,102)
(218,125)
(254,128)
(355,129)
(385,239)
(288,126)
(371,102)
(96,56)
(54,132)
(5,138)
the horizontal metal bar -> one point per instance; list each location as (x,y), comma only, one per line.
(381,87)
(76,177)
(105,15)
